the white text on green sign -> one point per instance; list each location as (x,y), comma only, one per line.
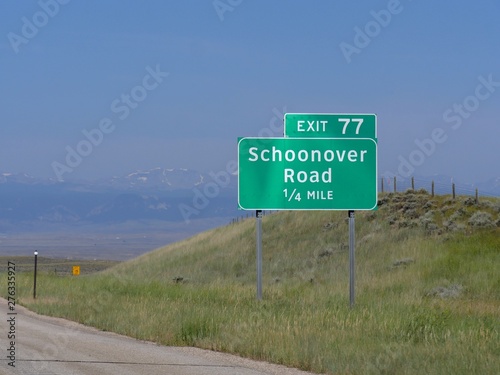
(307,173)
(330,125)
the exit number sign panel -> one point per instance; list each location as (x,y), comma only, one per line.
(330,125)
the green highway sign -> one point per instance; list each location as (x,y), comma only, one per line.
(307,173)
(330,125)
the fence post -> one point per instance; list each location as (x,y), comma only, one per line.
(413,183)
(432,189)
(395,184)
(477,197)
(382,185)
(453,189)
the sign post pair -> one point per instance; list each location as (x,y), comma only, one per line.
(323,162)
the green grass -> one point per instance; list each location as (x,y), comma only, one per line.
(201,292)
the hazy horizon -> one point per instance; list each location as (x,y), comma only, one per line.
(96,89)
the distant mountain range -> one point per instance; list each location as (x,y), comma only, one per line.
(156,178)
(159,194)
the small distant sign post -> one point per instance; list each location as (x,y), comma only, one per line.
(34,276)
(76,270)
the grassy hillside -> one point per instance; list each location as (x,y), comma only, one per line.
(427,290)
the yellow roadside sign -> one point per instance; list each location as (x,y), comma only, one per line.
(76,270)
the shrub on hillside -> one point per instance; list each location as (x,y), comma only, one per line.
(429,205)
(411,213)
(452,226)
(469,201)
(452,291)
(481,219)
(397,197)
(457,215)
(383,201)
(427,219)
(491,205)
(446,208)
(433,228)
(407,224)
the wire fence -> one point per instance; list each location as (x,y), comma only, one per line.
(433,187)
(392,184)
(251,214)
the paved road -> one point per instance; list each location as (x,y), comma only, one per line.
(45,345)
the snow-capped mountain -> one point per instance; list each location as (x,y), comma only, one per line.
(21,178)
(163,179)
(156,194)
(160,178)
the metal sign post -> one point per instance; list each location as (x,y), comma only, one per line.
(34,276)
(258,216)
(325,161)
(351,258)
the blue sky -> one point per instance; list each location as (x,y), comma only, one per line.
(228,68)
